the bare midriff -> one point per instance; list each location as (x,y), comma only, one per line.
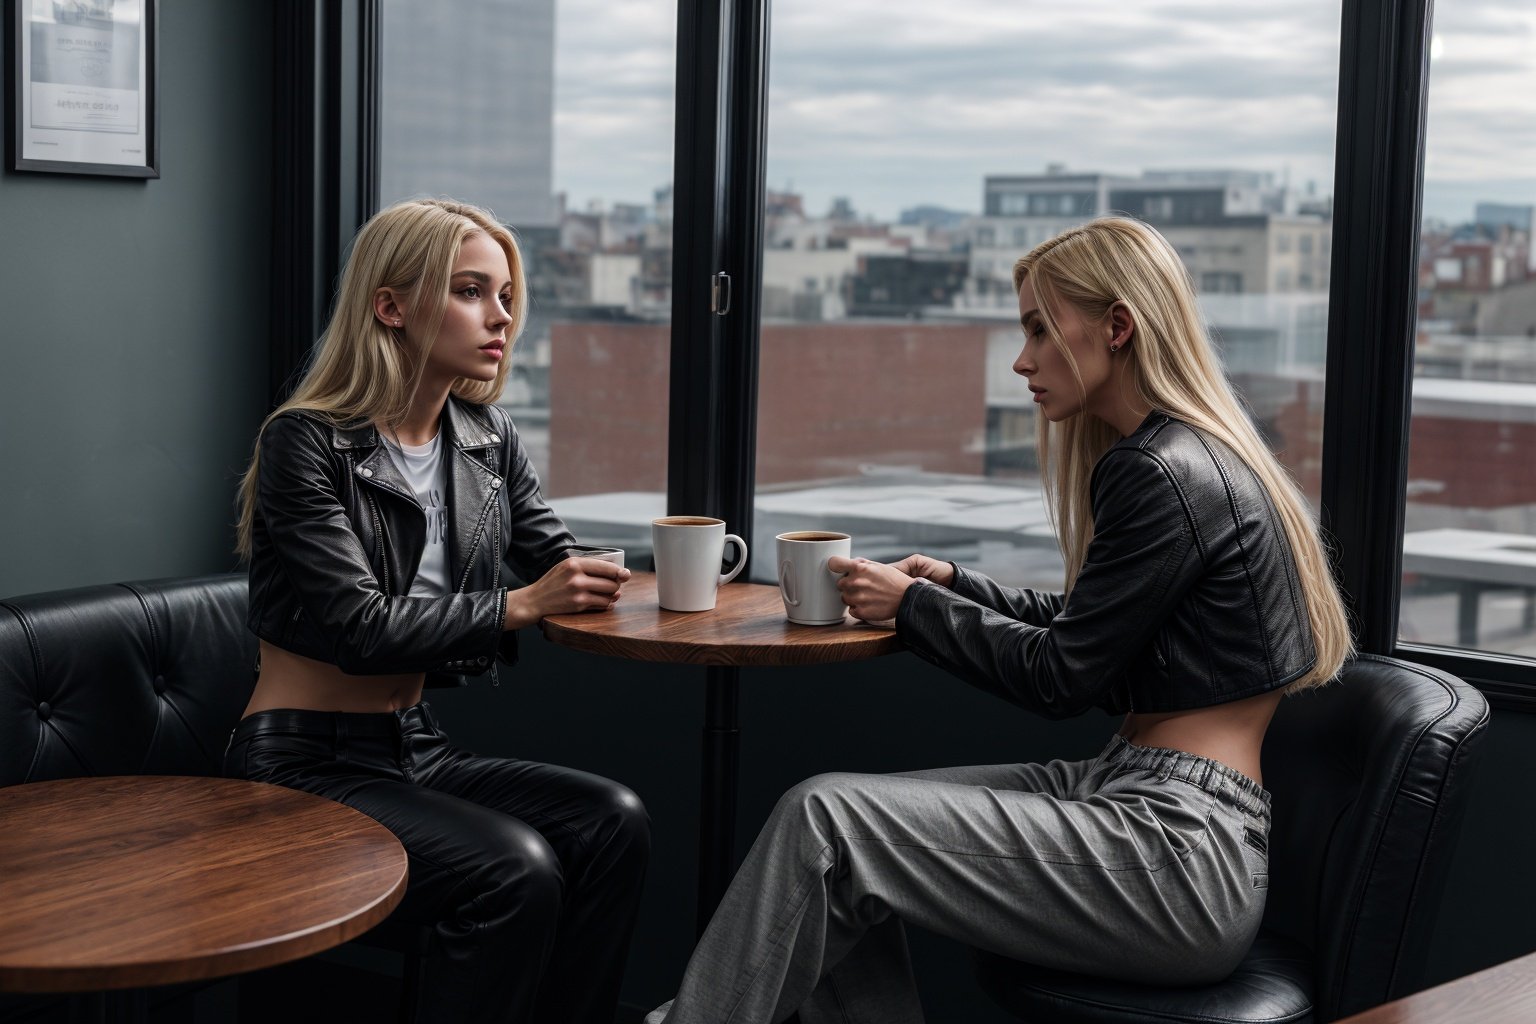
(289,680)
(1231,733)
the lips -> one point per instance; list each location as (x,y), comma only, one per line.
(495,348)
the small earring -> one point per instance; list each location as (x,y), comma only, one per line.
(398,321)
(1114,348)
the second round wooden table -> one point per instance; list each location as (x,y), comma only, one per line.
(123,882)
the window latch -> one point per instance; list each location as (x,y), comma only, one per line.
(720,294)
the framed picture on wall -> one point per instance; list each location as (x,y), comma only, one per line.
(83,87)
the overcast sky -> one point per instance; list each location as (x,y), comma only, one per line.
(896,103)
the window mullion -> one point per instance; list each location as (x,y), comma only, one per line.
(1383,79)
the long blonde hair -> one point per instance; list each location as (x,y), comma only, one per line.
(364,371)
(1172,366)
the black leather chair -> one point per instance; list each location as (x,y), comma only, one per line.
(1369,780)
(138,679)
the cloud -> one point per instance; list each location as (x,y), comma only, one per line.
(1480,135)
(893,103)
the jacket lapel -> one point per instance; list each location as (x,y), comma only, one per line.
(473,486)
(376,468)
(373,469)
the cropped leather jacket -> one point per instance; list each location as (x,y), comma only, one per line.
(1188,595)
(338,534)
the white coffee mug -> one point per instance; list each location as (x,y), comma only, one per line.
(688,551)
(602,554)
(808,587)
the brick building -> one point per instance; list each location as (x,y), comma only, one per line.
(834,398)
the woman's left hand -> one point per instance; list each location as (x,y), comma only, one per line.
(871,590)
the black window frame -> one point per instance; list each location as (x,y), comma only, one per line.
(325,164)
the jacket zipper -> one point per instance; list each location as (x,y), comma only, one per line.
(378,526)
(495,573)
(378,532)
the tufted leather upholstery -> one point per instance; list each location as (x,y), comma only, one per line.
(123,679)
(1369,779)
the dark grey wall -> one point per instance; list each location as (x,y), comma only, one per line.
(133,327)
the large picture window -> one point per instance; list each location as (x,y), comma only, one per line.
(519,106)
(1469,546)
(914,156)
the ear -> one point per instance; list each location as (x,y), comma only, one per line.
(1122,326)
(387,308)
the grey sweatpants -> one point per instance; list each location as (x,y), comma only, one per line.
(1142,864)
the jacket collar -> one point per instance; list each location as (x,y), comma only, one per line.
(467,429)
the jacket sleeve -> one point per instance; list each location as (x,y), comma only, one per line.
(1036,607)
(323,559)
(536,538)
(1142,560)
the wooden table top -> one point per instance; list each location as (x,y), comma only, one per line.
(746,628)
(127,881)
(1502,994)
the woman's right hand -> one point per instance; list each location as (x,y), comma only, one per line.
(573,585)
(942,573)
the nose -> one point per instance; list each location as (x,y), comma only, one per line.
(1024,365)
(500,316)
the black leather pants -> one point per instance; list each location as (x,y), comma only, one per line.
(529,873)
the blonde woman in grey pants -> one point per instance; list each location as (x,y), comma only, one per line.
(1197,596)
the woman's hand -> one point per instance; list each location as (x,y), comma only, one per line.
(942,573)
(871,590)
(573,585)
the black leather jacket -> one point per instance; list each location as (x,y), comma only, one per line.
(1188,595)
(338,535)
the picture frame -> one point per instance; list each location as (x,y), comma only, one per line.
(84,87)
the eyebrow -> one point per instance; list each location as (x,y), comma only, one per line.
(478,276)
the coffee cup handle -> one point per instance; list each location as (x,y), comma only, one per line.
(741,562)
(787,583)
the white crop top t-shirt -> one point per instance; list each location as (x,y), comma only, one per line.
(424,470)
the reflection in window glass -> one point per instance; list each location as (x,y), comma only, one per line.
(917,150)
(520,106)
(1469,549)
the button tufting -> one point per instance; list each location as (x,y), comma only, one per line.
(160,684)
(44,711)
(495,484)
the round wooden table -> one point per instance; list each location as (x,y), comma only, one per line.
(128,881)
(746,628)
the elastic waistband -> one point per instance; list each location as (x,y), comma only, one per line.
(1211,776)
(302,722)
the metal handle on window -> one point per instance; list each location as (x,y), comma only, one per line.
(720,294)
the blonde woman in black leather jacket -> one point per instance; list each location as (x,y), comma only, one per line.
(1197,596)
(388,514)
